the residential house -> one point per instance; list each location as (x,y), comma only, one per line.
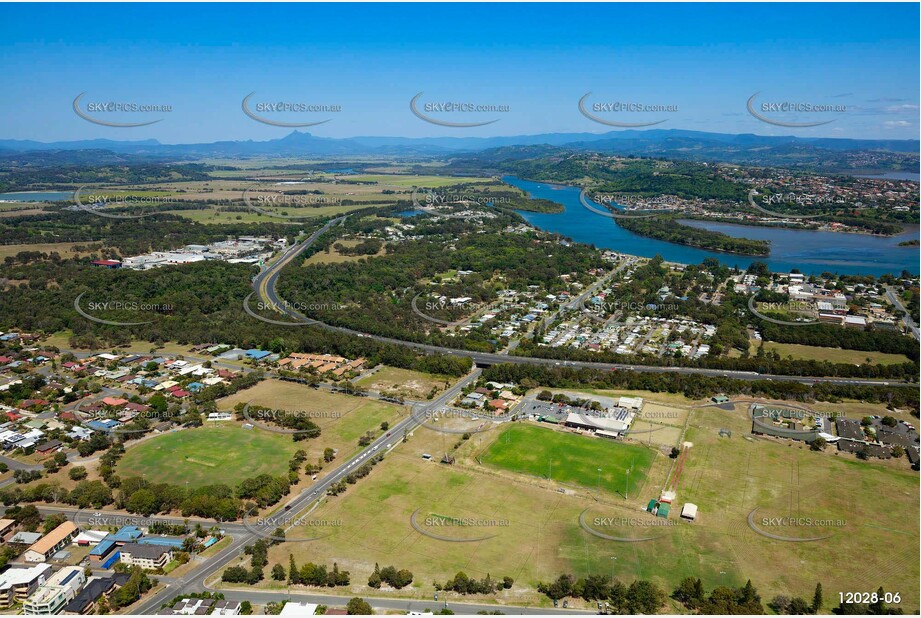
(51,543)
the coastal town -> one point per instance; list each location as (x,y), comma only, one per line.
(315,309)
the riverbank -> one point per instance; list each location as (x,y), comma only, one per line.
(812,252)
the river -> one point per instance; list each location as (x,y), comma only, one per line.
(37,196)
(812,252)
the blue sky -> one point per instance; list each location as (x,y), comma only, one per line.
(538,60)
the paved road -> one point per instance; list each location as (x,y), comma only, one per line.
(394,604)
(264,285)
(194,581)
(266,281)
(909,323)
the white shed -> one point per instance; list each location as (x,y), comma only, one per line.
(689,511)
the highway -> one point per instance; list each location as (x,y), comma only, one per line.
(264,285)
(248,532)
(266,281)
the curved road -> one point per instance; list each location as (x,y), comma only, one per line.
(266,281)
(264,285)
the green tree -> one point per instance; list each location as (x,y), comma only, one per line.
(358,607)
(817,598)
(77,473)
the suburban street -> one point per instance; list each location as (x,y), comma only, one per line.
(399,604)
(246,533)
(893,298)
(249,530)
(266,281)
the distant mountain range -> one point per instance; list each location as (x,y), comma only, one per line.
(828,153)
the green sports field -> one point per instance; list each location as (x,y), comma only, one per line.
(206,455)
(569,458)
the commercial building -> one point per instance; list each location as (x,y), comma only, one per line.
(16,584)
(613,425)
(60,589)
(149,557)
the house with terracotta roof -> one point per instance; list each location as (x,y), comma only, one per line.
(51,543)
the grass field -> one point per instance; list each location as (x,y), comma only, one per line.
(65,249)
(216,215)
(833,355)
(404,382)
(375,525)
(210,454)
(569,458)
(334,257)
(726,478)
(342,418)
